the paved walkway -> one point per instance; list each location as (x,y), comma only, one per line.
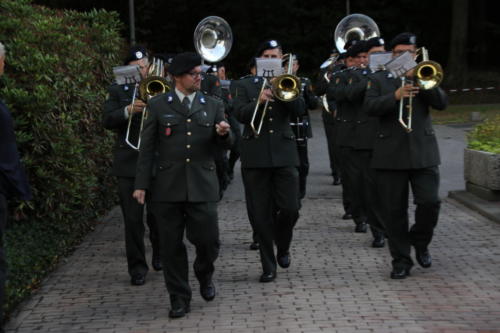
(336,283)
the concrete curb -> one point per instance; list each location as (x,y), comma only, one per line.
(489,209)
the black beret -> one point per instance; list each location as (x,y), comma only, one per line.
(268,44)
(184,62)
(136,52)
(165,57)
(405,38)
(374,42)
(350,43)
(357,48)
(251,64)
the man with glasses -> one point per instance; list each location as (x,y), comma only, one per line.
(404,158)
(178,142)
(269,166)
(118,108)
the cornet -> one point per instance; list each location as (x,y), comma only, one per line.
(285,87)
(428,75)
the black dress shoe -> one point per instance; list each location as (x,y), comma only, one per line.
(378,241)
(254,246)
(337,181)
(156,263)
(267,277)
(178,311)
(400,273)
(138,279)
(423,257)
(347,216)
(207,290)
(283,260)
(361,227)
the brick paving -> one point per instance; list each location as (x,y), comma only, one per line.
(336,283)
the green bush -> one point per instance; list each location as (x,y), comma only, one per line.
(486,136)
(59,64)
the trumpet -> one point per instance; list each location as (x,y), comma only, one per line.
(285,87)
(154,84)
(428,75)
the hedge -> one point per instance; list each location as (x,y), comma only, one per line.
(486,136)
(59,64)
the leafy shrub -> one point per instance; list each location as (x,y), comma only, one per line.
(58,66)
(486,136)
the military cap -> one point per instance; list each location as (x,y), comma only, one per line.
(184,62)
(267,45)
(136,52)
(374,42)
(350,43)
(166,57)
(405,38)
(357,48)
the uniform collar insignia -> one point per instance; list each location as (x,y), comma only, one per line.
(256,80)
(125,88)
(365,72)
(170,98)
(202,100)
(389,76)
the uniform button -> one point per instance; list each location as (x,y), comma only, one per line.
(168,124)
(189,120)
(188,146)
(271,131)
(270,119)
(188,160)
(188,133)
(270,107)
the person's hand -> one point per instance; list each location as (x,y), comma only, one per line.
(140,196)
(137,107)
(222,128)
(406,91)
(267,95)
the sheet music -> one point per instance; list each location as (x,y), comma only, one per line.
(378,60)
(269,67)
(400,65)
(127,74)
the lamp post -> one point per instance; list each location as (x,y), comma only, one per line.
(131,21)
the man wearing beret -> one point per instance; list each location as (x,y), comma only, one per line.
(269,166)
(180,135)
(362,140)
(118,108)
(404,158)
(346,123)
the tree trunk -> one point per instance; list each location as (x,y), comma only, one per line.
(457,58)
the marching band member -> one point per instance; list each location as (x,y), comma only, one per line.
(402,159)
(269,166)
(117,110)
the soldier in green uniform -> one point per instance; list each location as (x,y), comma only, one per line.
(117,111)
(301,126)
(345,130)
(181,133)
(403,159)
(269,166)
(364,135)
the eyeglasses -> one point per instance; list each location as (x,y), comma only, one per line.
(196,74)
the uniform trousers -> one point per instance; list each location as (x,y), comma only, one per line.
(272,196)
(133,214)
(368,190)
(332,154)
(3,262)
(351,177)
(393,188)
(199,221)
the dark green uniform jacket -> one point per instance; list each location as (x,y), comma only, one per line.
(394,148)
(311,103)
(124,156)
(185,141)
(275,146)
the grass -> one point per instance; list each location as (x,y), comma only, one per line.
(456,114)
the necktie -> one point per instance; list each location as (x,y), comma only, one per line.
(186,103)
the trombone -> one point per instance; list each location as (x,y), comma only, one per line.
(154,84)
(285,87)
(428,75)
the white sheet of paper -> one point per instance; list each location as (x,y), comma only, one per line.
(400,65)
(378,60)
(127,74)
(269,67)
